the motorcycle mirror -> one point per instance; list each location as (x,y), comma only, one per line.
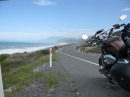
(84,37)
(123,17)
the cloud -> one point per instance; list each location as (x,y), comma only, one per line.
(69,33)
(18,36)
(43,34)
(80,29)
(44,2)
(126,9)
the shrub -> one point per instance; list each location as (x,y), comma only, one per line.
(41,53)
(44,52)
(5,66)
(13,61)
(94,50)
(18,59)
(3,57)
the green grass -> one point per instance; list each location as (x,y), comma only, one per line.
(51,80)
(20,76)
(73,90)
(17,69)
(3,57)
(55,57)
(73,81)
(63,77)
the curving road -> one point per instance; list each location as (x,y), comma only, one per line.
(83,69)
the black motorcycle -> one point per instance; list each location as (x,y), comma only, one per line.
(114,61)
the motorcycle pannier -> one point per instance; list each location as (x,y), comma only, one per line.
(121,73)
(125,35)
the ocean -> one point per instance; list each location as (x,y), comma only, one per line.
(21,47)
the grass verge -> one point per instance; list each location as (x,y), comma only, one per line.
(51,80)
(22,76)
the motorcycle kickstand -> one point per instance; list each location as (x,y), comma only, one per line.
(111,82)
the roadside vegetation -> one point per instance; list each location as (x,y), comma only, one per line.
(90,48)
(17,70)
(51,80)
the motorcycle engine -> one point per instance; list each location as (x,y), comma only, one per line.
(109,59)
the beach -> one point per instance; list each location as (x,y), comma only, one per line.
(21,47)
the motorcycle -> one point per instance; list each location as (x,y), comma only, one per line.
(114,61)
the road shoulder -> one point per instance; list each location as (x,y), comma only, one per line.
(38,88)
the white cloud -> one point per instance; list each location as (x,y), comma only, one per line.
(43,34)
(81,29)
(126,9)
(73,33)
(43,2)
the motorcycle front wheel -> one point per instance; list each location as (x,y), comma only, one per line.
(105,72)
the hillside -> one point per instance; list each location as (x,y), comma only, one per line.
(70,40)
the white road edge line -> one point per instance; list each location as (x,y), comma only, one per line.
(79,58)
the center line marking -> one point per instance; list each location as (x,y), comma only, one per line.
(79,58)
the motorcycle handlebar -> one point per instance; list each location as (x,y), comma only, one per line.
(117,26)
(123,24)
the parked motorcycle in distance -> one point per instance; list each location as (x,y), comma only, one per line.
(114,61)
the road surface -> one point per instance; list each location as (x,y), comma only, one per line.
(83,69)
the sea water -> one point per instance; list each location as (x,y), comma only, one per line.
(21,47)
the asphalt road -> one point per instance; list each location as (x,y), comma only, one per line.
(83,69)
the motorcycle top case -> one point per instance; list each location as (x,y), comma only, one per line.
(125,35)
(121,73)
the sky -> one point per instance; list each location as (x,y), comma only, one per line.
(29,20)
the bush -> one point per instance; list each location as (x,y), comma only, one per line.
(14,61)
(44,52)
(94,50)
(116,33)
(3,57)
(41,53)
(5,66)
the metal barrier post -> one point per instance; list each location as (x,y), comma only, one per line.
(1,84)
(50,57)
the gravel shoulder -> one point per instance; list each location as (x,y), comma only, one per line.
(38,88)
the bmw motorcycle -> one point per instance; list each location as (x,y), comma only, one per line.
(114,61)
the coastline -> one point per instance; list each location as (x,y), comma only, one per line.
(13,50)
